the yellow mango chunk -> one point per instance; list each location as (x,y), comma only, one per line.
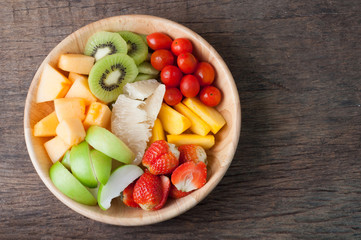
(74,76)
(52,85)
(208,114)
(157,131)
(77,63)
(46,127)
(69,108)
(173,122)
(56,148)
(80,89)
(198,126)
(204,141)
(71,131)
(98,114)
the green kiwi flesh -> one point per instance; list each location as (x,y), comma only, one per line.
(108,76)
(102,43)
(137,48)
(147,68)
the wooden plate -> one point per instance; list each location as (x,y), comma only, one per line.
(220,156)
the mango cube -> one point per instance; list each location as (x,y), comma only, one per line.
(98,114)
(46,127)
(77,63)
(80,89)
(52,85)
(71,131)
(198,126)
(69,108)
(208,114)
(157,131)
(56,148)
(204,141)
(74,76)
(173,122)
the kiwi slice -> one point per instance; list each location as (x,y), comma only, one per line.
(102,43)
(137,48)
(143,76)
(147,68)
(108,76)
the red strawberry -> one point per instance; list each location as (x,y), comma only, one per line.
(148,191)
(165,187)
(127,196)
(189,176)
(161,158)
(175,193)
(192,152)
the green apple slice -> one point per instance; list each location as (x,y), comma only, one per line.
(81,166)
(118,181)
(106,142)
(102,165)
(66,160)
(69,185)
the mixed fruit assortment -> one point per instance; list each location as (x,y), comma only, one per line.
(133,117)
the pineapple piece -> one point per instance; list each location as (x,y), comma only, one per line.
(46,127)
(204,141)
(74,76)
(80,88)
(98,114)
(71,131)
(210,115)
(56,148)
(77,63)
(198,125)
(52,85)
(157,131)
(69,108)
(173,122)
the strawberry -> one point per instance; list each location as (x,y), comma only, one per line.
(165,188)
(175,193)
(189,176)
(192,152)
(127,196)
(161,158)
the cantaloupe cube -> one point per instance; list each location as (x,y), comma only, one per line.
(208,114)
(71,131)
(172,121)
(69,108)
(80,89)
(198,126)
(46,127)
(74,76)
(157,131)
(52,85)
(77,63)
(56,148)
(204,141)
(98,114)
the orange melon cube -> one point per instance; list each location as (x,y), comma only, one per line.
(52,85)
(80,89)
(56,148)
(98,114)
(157,131)
(71,131)
(69,108)
(77,63)
(46,127)
(74,76)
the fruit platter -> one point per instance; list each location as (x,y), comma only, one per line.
(132,120)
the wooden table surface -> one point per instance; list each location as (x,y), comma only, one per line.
(297,170)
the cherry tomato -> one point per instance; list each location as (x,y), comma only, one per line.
(187,62)
(161,58)
(159,40)
(210,96)
(172,96)
(189,86)
(205,73)
(181,45)
(171,76)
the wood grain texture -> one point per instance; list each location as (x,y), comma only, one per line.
(296,173)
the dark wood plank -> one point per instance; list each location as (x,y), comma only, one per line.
(296,173)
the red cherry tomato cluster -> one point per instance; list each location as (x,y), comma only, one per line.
(181,72)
